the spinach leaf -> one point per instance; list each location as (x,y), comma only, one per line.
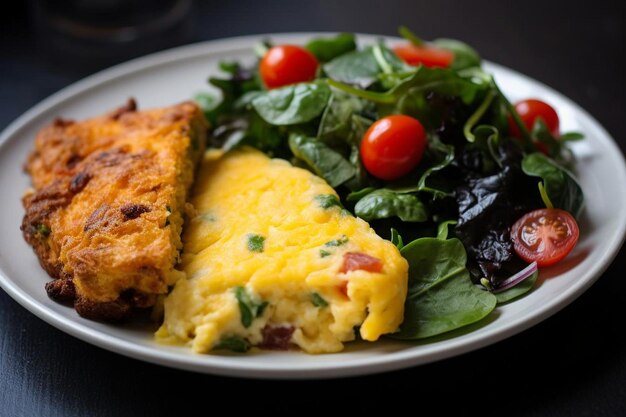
(389,62)
(464,55)
(293,104)
(441,297)
(361,177)
(437,157)
(356,68)
(560,185)
(318,300)
(363,67)
(442,229)
(554,147)
(241,81)
(244,101)
(341,127)
(230,67)
(248,129)
(234,343)
(248,307)
(424,79)
(384,203)
(326,49)
(357,195)
(441,155)
(337,125)
(208,103)
(410,95)
(324,161)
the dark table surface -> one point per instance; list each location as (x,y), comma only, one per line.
(572,364)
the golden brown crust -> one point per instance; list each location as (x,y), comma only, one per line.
(106,213)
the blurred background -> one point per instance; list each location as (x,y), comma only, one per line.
(573,364)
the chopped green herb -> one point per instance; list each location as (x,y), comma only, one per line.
(256,243)
(43,230)
(249,308)
(324,253)
(327,201)
(233,343)
(318,301)
(337,242)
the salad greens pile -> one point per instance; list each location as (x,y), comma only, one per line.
(457,207)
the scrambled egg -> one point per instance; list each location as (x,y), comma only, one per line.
(273,260)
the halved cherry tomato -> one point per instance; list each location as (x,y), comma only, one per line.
(529,111)
(429,56)
(287,64)
(544,235)
(393,146)
(353,261)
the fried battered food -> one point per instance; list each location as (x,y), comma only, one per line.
(106,213)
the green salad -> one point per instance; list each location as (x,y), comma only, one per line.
(417,139)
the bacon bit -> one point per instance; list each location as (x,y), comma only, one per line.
(353,261)
(343,289)
(276,337)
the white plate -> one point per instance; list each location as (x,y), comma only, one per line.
(171,76)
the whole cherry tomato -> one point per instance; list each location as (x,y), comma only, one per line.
(529,111)
(393,146)
(287,64)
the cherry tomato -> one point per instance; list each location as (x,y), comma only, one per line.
(529,111)
(353,261)
(429,56)
(393,146)
(544,235)
(287,64)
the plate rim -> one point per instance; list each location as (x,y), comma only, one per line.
(216,364)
